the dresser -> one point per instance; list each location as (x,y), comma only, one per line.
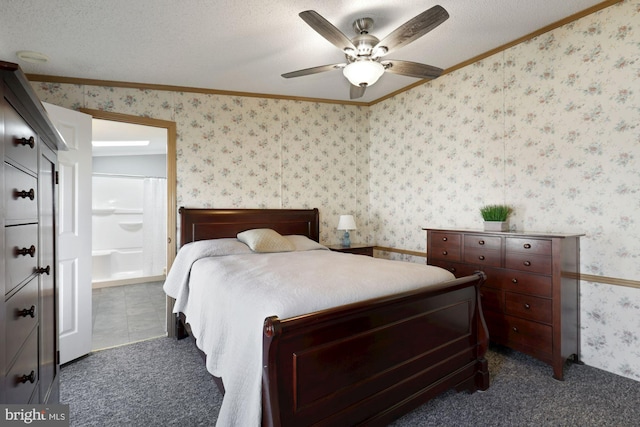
(530,298)
(29,303)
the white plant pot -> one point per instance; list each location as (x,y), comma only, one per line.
(496,226)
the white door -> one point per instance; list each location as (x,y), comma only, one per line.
(74,232)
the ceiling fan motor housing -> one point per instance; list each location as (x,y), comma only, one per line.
(364,43)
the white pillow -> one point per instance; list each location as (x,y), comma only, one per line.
(265,240)
(303,243)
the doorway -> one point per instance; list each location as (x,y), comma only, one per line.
(133,190)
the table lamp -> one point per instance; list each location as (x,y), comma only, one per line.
(346,223)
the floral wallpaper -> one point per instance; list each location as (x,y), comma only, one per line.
(246,152)
(550,126)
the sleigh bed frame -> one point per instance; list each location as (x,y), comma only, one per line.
(363,363)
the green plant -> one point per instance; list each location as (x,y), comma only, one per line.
(495,212)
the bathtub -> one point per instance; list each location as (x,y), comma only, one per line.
(117,265)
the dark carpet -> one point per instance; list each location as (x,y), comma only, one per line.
(163,382)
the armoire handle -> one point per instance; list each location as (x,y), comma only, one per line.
(26,251)
(31,142)
(28,312)
(24,194)
(31,378)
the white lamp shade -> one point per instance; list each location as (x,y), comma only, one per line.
(365,72)
(346,223)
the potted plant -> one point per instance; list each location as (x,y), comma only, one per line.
(495,217)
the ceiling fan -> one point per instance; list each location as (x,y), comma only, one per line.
(364,52)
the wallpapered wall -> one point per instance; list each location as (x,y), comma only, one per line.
(549,126)
(242,152)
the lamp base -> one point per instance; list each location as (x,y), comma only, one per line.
(346,242)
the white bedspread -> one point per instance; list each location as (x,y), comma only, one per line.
(246,288)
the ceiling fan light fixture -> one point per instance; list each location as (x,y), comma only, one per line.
(364,72)
(350,52)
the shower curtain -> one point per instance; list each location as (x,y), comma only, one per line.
(154,232)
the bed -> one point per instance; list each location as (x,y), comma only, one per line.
(361,362)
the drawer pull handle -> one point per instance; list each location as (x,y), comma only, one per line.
(31,194)
(26,251)
(515,329)
(514,281)
(46,270)
(527,306)
(527,263)
(31,378)
(481,242)
(31,142)
(527,245)
(28,312)
(445,253)
(444,239)
(481,257)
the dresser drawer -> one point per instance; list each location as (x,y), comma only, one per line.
(473,241)
(446,246)
(528,307)
(526,262)
(22,317)
(20,196)
(22,378)
(21,257)
(482,257)
(19,140)
(457,268)
(519,281)
(529,334)
(530,246)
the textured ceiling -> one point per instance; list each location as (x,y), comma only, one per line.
(245,46)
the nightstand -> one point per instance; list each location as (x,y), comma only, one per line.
(355,248)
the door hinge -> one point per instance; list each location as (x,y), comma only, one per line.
(57,177)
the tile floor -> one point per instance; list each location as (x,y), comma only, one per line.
(126,314)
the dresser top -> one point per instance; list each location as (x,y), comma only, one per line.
(507,233)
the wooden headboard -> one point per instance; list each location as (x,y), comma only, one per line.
(202,224)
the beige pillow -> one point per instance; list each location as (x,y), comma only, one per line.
(265,240)
(303,243)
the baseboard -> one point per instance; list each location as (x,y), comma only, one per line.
(131,281)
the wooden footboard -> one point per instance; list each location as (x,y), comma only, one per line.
(370,362)
(363,363)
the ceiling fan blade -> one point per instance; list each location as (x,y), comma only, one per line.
(313,70)
(327,30)
(357,91)
(412,69)
(414,28)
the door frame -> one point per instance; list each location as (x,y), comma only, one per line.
(171,184)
